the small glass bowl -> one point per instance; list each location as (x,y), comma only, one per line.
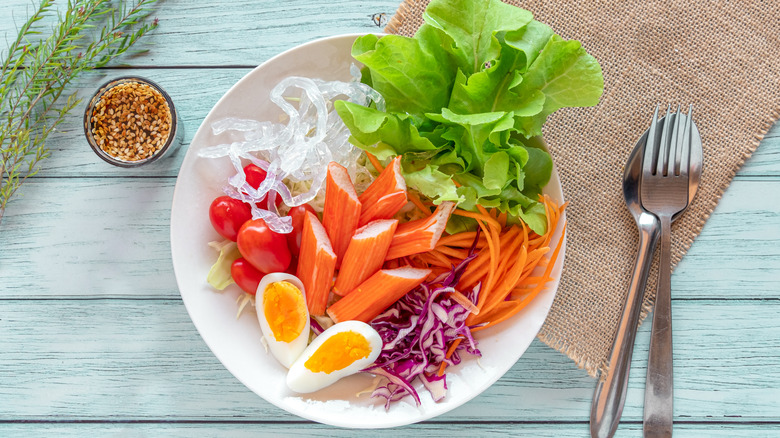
(175,132)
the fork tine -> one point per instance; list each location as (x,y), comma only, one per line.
(651,144)
(687,144)
(675,146)
(662,157)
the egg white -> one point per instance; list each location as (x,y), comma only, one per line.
(285,352)
(302,380)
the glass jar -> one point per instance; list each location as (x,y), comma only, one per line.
(131,122)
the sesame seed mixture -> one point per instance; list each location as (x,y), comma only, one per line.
(131,122)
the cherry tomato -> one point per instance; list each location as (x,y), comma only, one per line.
(265,250)
(227,215)
(246,276)
(255,176)
(293,268)
(298,214)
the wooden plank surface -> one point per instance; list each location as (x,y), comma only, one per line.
(142,360)
(239,429)
(95,340)
(223,33)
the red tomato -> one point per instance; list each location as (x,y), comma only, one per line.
(255,176)
(298,214)
(227,215)
(264,249)
(246,276)
(293,268)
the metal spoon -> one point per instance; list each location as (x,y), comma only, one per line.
(610,395)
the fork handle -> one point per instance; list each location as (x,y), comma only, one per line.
(610,394)
(658,386)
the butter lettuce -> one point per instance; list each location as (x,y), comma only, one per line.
(219,275)
(465,99)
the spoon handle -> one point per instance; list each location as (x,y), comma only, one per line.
(610,395)
(658,387)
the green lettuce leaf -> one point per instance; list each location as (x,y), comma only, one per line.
(567,76)
(475,137)
(466,99)
(471,26)
(433,183)
(219,275)
(528,41)
(414,75)
(382,134)
(537,171)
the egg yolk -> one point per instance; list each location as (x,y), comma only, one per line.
(285,310)
(338,352)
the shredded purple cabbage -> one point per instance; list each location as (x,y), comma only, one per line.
(416,332)
(315,326)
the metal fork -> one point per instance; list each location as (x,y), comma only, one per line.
(664,192)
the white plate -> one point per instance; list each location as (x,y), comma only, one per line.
(236,342)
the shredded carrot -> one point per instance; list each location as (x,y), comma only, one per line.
(479,217)
(502,219)
(505,301)
(508,309)
(493,258)
(464,301)
(450,350)
(492,219)
(452,252)
(418,203)
(374,162)
(466,236)
(434,260)
(512,277)
(505,264)
(440,257)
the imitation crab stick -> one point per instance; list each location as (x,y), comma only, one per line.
(365,254)
(316,265)
(386,194)
(341,213)
(377,293)
(389,181)
(384,208)
(420,235)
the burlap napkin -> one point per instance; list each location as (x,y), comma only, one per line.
(723,57)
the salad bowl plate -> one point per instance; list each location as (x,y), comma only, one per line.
(237,341)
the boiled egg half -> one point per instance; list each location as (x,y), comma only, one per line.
(283,316)
(340,351)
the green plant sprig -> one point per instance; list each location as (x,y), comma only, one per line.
(37,70)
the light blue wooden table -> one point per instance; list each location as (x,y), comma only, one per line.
(94,339)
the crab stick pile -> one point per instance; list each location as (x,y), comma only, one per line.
(356,239)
